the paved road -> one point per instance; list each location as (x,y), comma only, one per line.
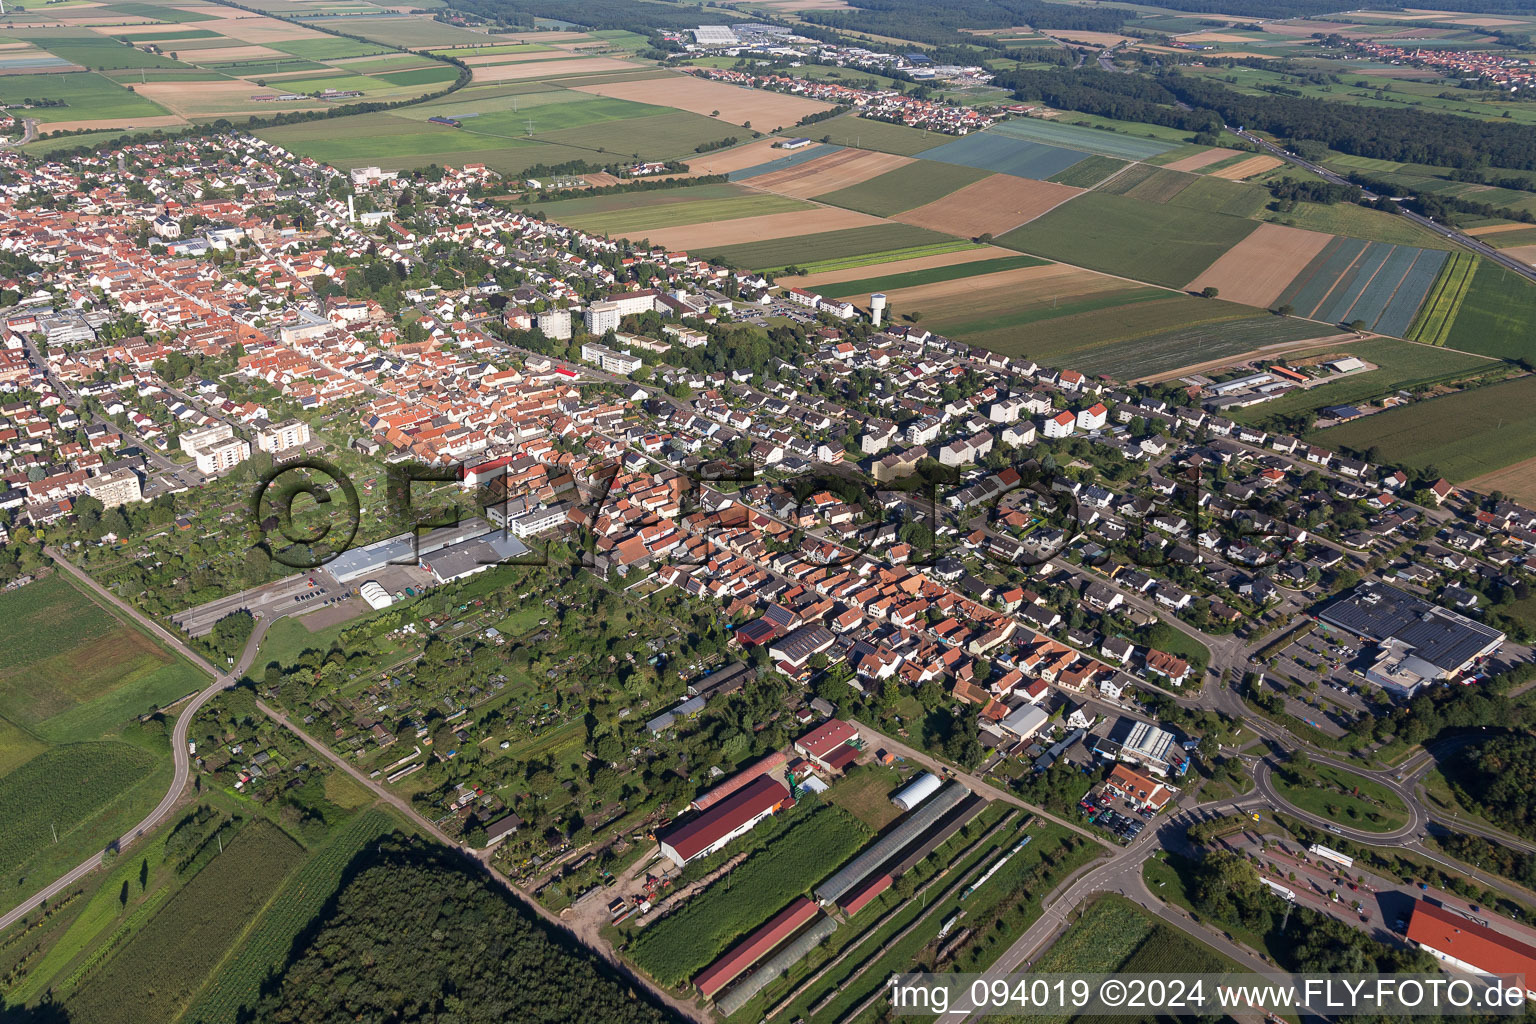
(180,760)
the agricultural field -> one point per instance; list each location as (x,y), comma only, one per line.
(877,242)
(72,670)
(233,991)
(1465,435)
(1433,323)
(777,161)
(994,205)
(1379,284)
(766,111)
(919,257)
(678,946)
(1089,140)
(748,231)
(1215,195)
(1494,318)
(1399,365)
(1201,158)
(86,97)
(648,219)
(62,792)
(1148,183)
(1163,244)
(160,970)
(929,275)
(909,185)
(1090,172)
(862,133)
(843,169)
(1004,154)
(1257,269)
(1358,222)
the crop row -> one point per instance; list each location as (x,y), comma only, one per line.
(676,947)
(1433,324)
(237,986)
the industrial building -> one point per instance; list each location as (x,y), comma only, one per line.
(1417,642)
(1145,744)
(401,549)
(889,847)
(734,816)
(456,561)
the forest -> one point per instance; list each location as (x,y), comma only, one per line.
(1410,135)
(417,933)
(1497,778)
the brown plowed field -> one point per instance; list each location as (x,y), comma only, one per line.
(948,259)
(1493,229)
(1199,160)
(1523,253)
(1002,293)
(727,160)
(1517,481)
(757,229)
(766,111)
(1244,169)
(542,69)
(996,204)
(1257,269)
(828,173)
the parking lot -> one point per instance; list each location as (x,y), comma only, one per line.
(1123,822)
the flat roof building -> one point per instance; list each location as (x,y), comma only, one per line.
(1419,641)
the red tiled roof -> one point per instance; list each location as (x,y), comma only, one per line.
(1483,948)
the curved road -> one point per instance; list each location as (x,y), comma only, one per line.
(180,759)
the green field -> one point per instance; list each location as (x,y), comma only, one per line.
(1465,435)
(1088,173)
(905,188)
(1217,195)
(98,52)
(1358,222)
(71,670)
(1506,239)
(805,250)
(330,48)
(912,278)
(1089,140)
(63,790)
(647,218)
(1164,244)
(1432,323)
(1133,334)
(565,210)
(403,31)
(236,988)
(160,970)
(87,97)
(1343,797)
(419,76)
(679,945)
(862,133)
(1495,315)
(1400,365)
(878,258)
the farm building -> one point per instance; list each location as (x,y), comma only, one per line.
(754,947)
(890,846)
(829,744)
(734,816)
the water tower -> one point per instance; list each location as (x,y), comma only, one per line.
(877,307)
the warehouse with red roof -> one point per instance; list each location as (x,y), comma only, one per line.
(1464,945)
(734,816)
(754,947)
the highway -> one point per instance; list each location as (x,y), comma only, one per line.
(1450,234)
